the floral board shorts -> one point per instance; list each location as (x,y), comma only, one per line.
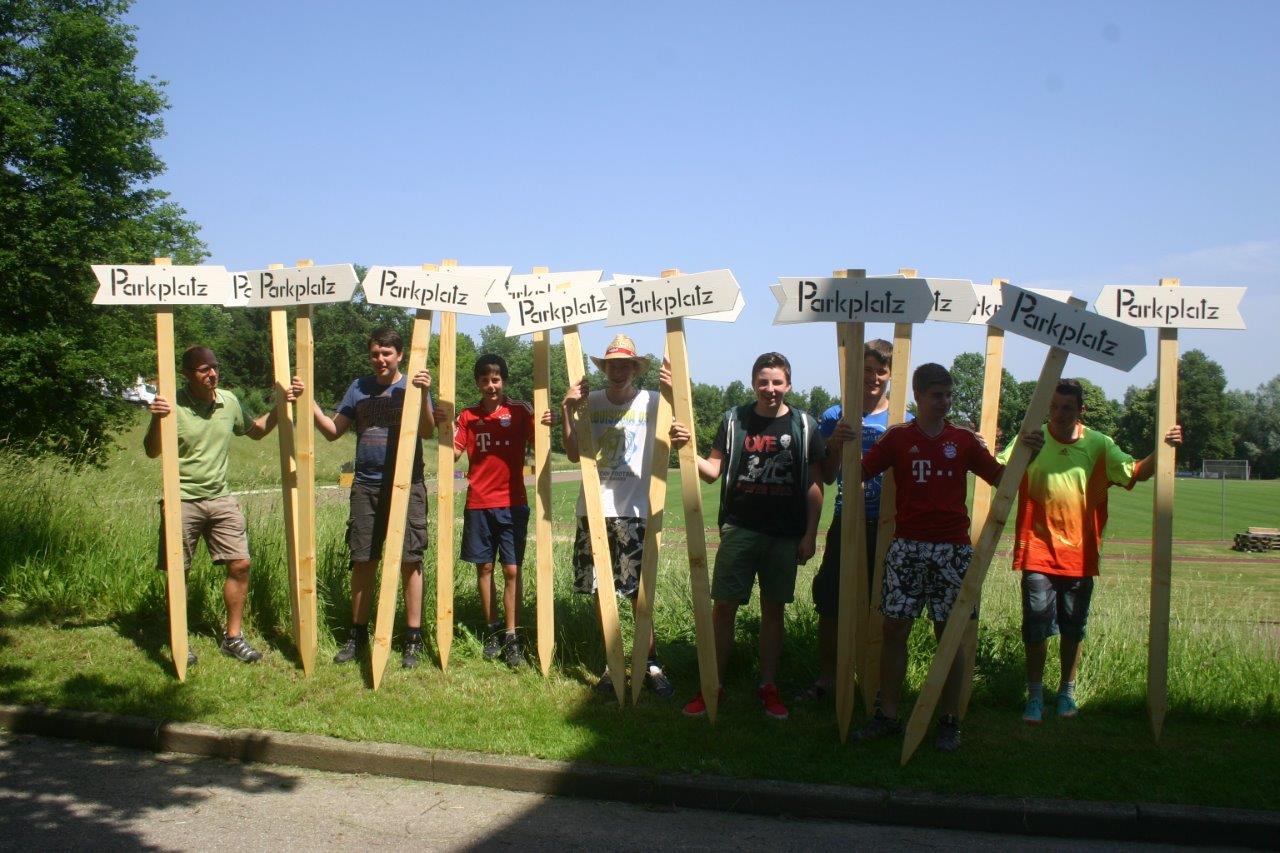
(917,574)
(626,546)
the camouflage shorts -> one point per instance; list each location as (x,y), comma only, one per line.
(626,545)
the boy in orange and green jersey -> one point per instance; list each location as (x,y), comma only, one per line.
(1062,510)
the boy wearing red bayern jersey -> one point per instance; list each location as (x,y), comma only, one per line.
(494,434)
(930,552)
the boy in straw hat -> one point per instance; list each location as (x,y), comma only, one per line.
(622,418)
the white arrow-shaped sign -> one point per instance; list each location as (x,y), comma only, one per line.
(557,309)
(1075,330)
(954,299)
(667,298)
(884,299)
(280,288)
(715,317)
(144,284)
(1173,307)
(461,290)
(989,300)
(538,283)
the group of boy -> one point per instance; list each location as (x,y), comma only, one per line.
(772,460)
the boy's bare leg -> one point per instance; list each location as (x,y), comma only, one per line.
(234,592)
(411,578)
(362,577)
(723,615)
(485,588)
(770,639)
(827,636)
(1069,655)
(510,593)
(950,702)
(1036,654)
(893,663)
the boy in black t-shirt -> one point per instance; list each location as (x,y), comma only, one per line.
(771,457)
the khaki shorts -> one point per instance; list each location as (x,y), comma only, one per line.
(219,522)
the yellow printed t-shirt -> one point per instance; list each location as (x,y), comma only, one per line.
(1062,502)
(204,434)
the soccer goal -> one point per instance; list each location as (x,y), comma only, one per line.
(1224,469)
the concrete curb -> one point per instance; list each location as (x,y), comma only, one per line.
(1121,821)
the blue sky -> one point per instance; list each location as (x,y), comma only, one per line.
(1068,145)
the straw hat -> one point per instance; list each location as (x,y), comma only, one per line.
(622,347)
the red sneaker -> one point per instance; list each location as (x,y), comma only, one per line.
(697,706)
(772,702)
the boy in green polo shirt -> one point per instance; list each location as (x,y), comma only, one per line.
(207,418)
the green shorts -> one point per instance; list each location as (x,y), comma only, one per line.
(745,553)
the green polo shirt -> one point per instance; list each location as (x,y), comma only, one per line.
(204,435)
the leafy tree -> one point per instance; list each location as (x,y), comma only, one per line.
(1100,412)
(815,402)
(77,126)
(1258,416)
(966,389)
(1207,414)
(1137,422)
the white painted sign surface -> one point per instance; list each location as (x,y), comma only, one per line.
(715,316)
(1152,306)
(278,288)
(538,312)
(146,284)
(535,284)
(884,299)
(989,300)
(954,299)
(668,298)
(1075,330)
(455,289)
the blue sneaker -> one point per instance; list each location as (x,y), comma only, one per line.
(1067,706)
(1033,713)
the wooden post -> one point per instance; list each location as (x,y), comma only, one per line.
(992,374)
(288,468)
(398,513)
(606,596)
(1162,525)
(695,526)
(174,558)
(652,539)
(305,449)
(1006,493)
(544,581)
(899,386)
(852,619)
(446,398)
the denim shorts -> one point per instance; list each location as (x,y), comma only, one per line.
(1053,604)
(497,530)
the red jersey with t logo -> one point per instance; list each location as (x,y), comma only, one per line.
(929,478)
(495,444)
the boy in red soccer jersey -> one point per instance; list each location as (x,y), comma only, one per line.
(930,551)
(494,434)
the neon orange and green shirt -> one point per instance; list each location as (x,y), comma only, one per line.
(1062,502)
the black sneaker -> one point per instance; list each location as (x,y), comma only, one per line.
(656,680)
(513,653)
(879,726)
(493,642)
(192,660)
(948,739)
(412,648)
(604,687)
(351,650)
(239,648)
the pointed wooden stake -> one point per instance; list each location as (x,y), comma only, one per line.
(544,582)
(1162,526)
(446,398)
(288,465)
(174,563)
(305,451)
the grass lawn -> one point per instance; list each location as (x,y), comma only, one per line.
(82,625)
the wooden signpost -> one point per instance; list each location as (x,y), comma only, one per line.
(422,289)
(279,288)
(989,301)
(1067,328)
(1167,310)
(672,299)
(852,300)
(164,286)
(515,296)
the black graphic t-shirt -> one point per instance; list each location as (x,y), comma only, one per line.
(765,496)
(374,411)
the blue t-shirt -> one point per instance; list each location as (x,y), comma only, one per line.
(374,411)
(873,426)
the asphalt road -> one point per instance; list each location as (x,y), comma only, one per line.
(66,794)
